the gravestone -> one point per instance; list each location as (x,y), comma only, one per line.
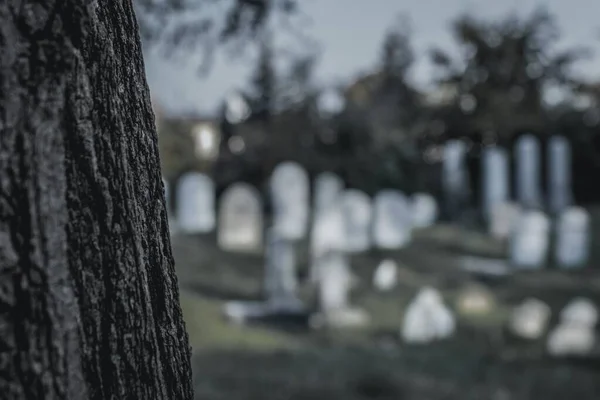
(475,300)
(335,283)
(280,286)
(240,219)
(529,241)
(328,233)
(580,311)
(385,277)
(392,220)
(495,179)
(357,211)
(328,187)
(289,189)
(455,177)
(427,318)
(424,210)
(503,217)
(196,203)
(528,172)
(571,249)
(568,339)
(529,320)
(559,174)
(281,282)
(575,333)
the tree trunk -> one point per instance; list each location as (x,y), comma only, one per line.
(89,304)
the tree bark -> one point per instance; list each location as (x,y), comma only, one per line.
(89,304)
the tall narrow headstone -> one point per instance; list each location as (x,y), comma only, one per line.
(424,210)
(559,174)
(280,285)
(392,220)
(455,177)
(572,238)
(357,210)
(528,172)
(495,179)
(335,282)
(328,234)
(327,189)
(289,189)
(530,240)
(240,219)
(196,203)
(280,273)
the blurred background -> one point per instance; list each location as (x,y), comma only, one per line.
(386,200)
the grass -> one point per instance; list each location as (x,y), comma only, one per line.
(208,330)
(270,362)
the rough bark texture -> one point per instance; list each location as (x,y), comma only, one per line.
(89,303)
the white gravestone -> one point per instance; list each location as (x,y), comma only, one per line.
(385,276)
(328,233)
(335,283)
(196,203)
(357,210)
(327,229)
(240,219)
(427,318)
(289,189)
(568,339)
(572,238)
(503,218)
(327,189)
(455,177)
(530,241)
(392,220)
(580,311)
(495,179)
(575,333)
(530,319)
(559,174)
(424,210)
(528,171)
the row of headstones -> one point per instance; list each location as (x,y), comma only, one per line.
(427,318)
(530,234)
(346,218)
(496,174)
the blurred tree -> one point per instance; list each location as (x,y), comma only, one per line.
(88,293)
(184,27)
(263,83)
(387,142)
(507,68)
(298,90)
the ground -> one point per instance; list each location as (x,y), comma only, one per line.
(287,360)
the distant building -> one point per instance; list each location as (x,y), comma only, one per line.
(186,141)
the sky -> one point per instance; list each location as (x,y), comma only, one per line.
(350,40)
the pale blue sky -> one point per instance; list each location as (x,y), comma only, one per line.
(350,40)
